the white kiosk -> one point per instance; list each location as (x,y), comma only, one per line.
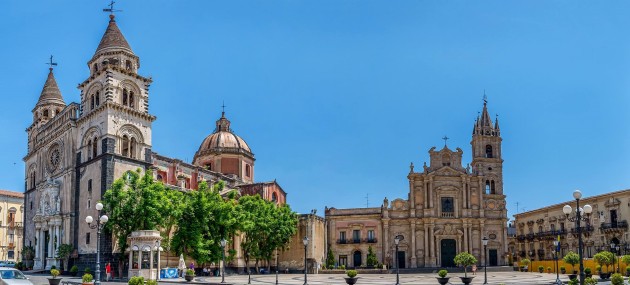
(144,254)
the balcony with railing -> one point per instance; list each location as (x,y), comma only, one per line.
(615,226)
(448,214)
(342,241)
(370,240)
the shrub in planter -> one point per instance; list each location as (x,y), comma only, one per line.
(87,270)
(442,279)
(190,275)
(136,280)
(628,271)
(525,263)
(541,269)
(87,278)
(587,272)
(563,270)
(616,279)
(573,259)
(152,282)
(548,269)
(352,277)
(590,281)
(54,280)
(73,270)
(465,259)
(574,281)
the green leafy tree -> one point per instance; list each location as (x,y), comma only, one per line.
(134,202)
(175,208)
(626,260)
(465,259)
(571,258)
(371,257)
(330,258)
(604,258)
(63,253)
(207,219)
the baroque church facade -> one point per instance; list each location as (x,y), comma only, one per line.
(77,150)
(449,209)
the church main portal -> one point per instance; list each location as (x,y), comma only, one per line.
(448,252)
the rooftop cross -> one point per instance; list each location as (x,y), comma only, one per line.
(51,63)
(485,98)
(111,9)
(223,109)
(445,138)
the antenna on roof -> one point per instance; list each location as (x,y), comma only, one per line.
(111,9)
(51,63)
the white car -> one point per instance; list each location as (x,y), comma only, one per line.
(12,276)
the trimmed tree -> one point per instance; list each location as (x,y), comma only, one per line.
(371,257)
(63,253)
(571,258)
(330,258)
(604,258)
(465,259)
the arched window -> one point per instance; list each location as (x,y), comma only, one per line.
(92,102)
(159,177)
(89,148)
(492,189)
(488,151)
(247,171)
(553,227)
(131,99)
(98,98)
(540,229)
(487,186)
(94,148)
(124,148)
(209,166)
(33,179)
(95,67)
(132,148)
(274,197)
(46,113)
(125,97)
(128,64)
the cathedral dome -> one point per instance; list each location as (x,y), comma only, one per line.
(221,141)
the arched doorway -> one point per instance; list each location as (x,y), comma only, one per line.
(356,259)
(448,249)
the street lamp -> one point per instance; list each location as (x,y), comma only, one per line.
(618,254)
(397,240)
(615,250)
(556,252)
(223,242)
(277,265)
(577,194)
(485,262)
(305,241)
(158,249)
(98,226)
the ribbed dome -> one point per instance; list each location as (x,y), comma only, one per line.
(222,140)
(50,93)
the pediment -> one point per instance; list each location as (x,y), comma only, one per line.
(447,171)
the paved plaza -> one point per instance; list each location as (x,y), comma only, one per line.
(321,279)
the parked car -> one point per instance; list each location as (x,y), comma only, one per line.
(12,276)
(6,263)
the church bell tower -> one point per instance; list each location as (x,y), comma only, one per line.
(486,151)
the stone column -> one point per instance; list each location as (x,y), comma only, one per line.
(413,244)
(466,237)
(431,246)
(386,245)
(58,238)
(426,244)
(431,192)
(39,241)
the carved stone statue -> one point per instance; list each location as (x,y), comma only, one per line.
(385,203)
(411,168)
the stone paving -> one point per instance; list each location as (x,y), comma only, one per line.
(494,278)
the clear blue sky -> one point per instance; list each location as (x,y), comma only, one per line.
(336,98)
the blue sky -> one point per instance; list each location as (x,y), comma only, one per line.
(336,98)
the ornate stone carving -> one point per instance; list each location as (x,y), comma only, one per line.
(50,203)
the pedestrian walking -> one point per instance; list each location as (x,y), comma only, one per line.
(108,271)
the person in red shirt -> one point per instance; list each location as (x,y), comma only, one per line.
(108,271)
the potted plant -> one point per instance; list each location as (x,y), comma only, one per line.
(587,272)
(74,270)
(352,277)
(442,279)
(87,279)
(626,260)
(541,269)
(190,275)
(573,259)
(574,281)
(628,271)
(136,280)
(465,259)
(599,269)
(604,258)
(563,269)
(54,280)
(616,279)
(525,263)
(590,281)
(549,269)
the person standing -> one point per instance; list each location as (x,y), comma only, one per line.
(108,271)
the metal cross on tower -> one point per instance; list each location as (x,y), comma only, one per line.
(51,63)
(445,138)
(111,9)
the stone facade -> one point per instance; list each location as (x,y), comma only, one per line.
(292,258)
(11,225)
(537,229)
(450,208)
(77,150)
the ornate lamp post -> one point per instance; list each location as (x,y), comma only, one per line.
(485,262)
(615,250)
(277,257)
(98,226)
(618,254)
(556,252)
(249,272)
(223,243)
(305,241)
(158,248)
(397,240)
(577,194)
